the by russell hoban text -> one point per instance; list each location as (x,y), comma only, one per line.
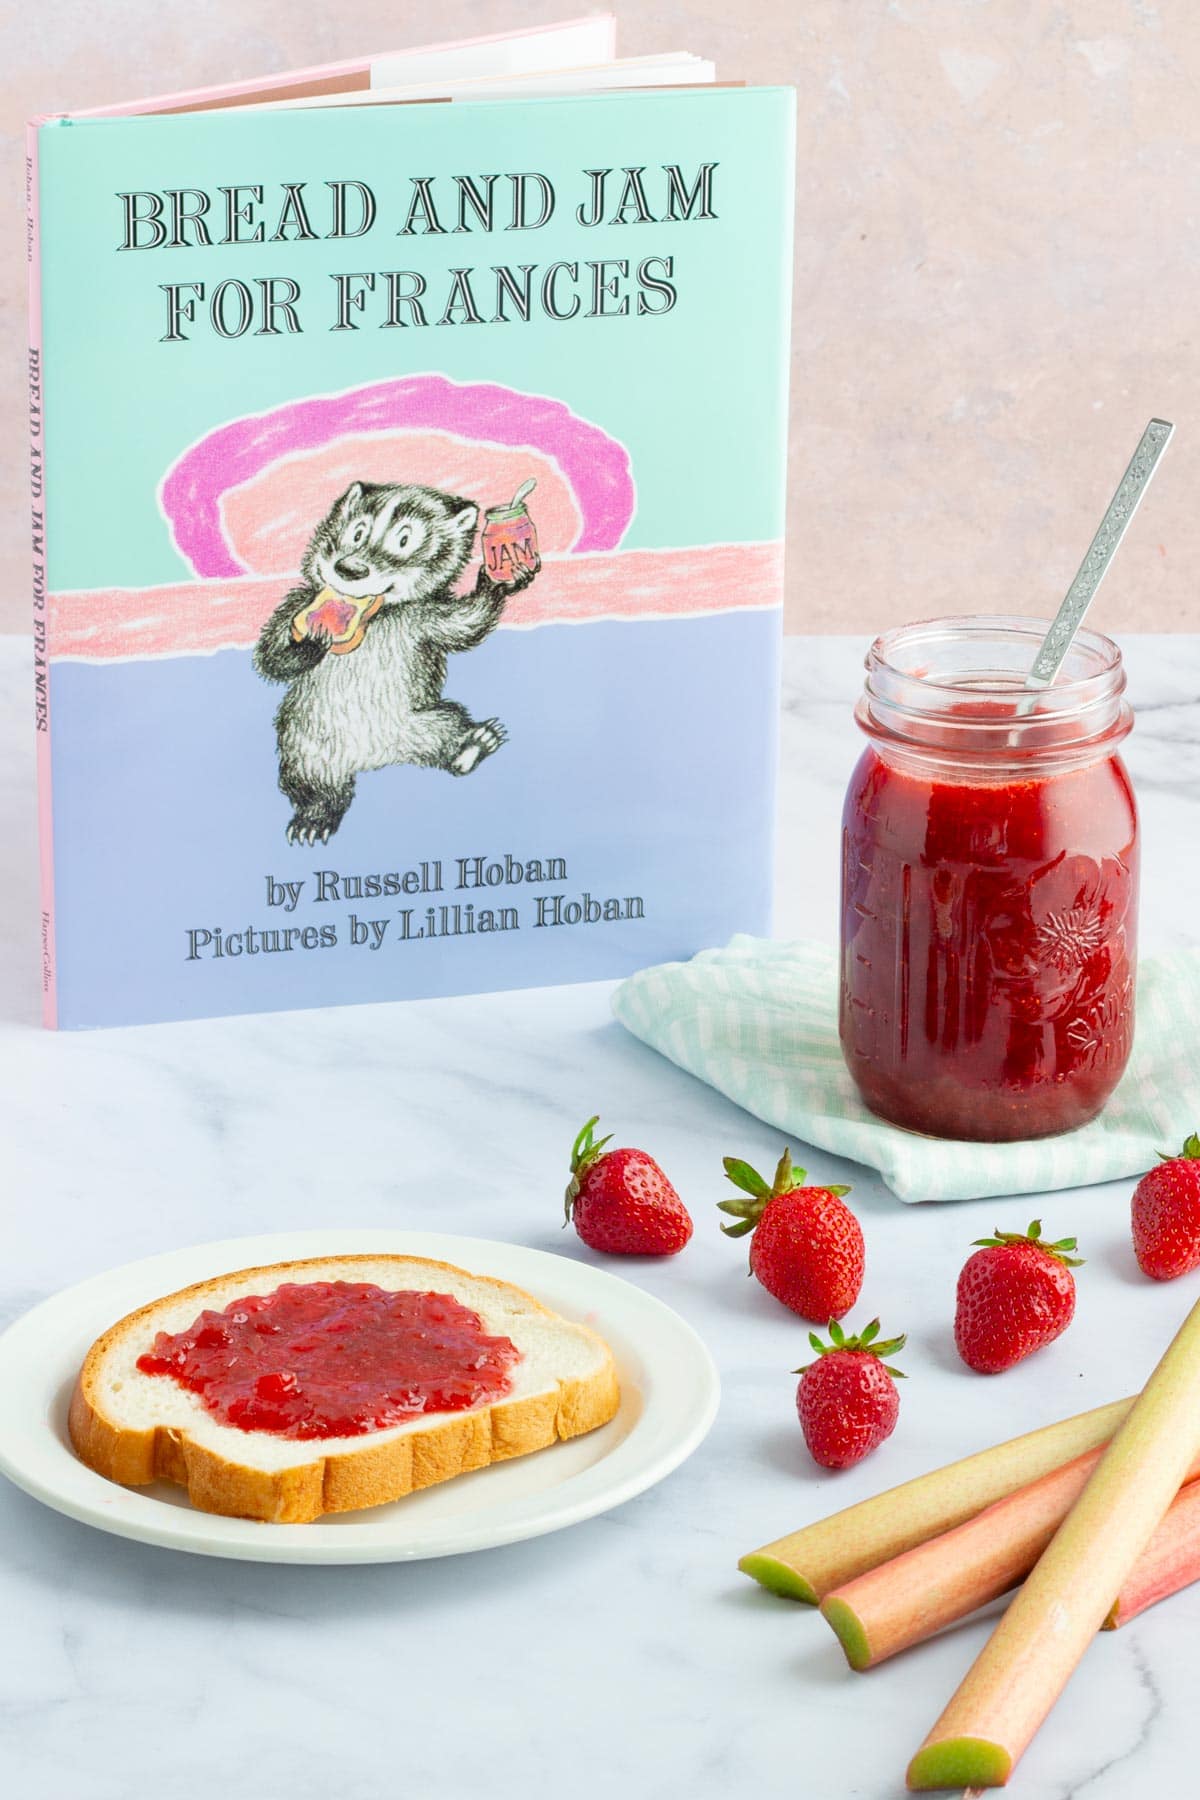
(411,924)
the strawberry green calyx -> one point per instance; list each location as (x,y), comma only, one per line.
(759,1194)
(585,1151)
(1060,1250)
(1189,1153)
(868,1339)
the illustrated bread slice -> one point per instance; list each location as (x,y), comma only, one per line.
(136,1428)
(343,618)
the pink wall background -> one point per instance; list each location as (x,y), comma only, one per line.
(998,240)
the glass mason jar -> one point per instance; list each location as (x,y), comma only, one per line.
(989,883)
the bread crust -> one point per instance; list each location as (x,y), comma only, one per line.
(371,1474)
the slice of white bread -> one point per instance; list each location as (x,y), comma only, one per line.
(136,1428)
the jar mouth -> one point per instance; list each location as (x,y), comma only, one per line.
(956,687)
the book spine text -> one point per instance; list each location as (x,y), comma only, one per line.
(41,633)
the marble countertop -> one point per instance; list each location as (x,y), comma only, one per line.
(626,1655)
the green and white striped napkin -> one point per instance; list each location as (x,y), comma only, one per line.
(758,1021)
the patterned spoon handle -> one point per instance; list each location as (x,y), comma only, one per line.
(1103,548)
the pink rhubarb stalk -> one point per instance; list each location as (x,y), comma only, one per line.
(1034,1650)
(1170,1561)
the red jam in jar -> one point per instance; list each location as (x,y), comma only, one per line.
(326,1359)
(989,884)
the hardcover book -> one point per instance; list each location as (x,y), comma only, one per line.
(408,463)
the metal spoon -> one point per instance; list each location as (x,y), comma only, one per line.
(1092,570)
(1082,591)
(525,489)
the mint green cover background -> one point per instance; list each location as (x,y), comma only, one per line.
(698,396)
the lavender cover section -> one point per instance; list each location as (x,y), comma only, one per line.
(639,773)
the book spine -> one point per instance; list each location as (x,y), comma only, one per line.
(41,624)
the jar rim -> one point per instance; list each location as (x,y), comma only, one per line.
(1106,654)
(955,687)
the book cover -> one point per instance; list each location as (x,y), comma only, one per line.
(408,513)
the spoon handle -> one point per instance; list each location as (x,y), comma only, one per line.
(1103,548)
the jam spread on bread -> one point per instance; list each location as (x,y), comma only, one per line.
(332,615)
(331,1359)
(341,620)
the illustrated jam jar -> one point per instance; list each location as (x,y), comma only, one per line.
(509,540)
(989,883)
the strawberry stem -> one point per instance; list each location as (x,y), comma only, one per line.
(743,1176)
(748,1212)
(585,1151)
(1189,1153)
(867,1340)
(1060,1249)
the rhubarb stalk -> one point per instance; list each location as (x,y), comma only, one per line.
(1170,1561)
(1035,1648)
(906,1600)
(808,1563)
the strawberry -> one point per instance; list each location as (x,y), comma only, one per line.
(622,1202)
(1015,1294)
(1166,1215)
(807,1247)
(847,1400)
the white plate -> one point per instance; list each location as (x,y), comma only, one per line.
(669,1393)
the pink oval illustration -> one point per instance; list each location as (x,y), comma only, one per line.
(267,521)
(199,492)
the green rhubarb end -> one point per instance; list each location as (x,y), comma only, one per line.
(848,1628)
(959,1762)
(778,1577)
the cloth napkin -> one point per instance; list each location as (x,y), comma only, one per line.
(758,1021)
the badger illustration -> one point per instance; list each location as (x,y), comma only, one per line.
(394,554)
